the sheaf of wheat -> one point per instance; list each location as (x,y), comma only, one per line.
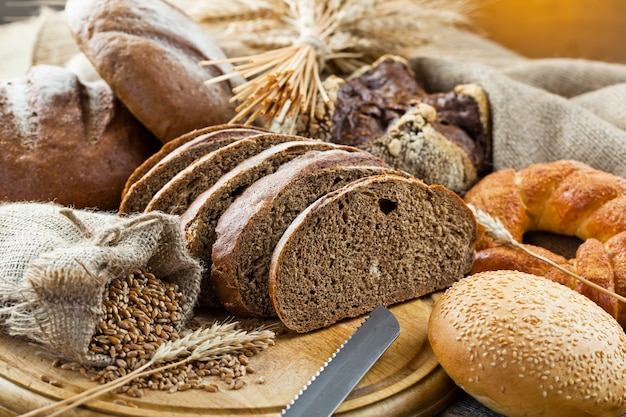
(290,45)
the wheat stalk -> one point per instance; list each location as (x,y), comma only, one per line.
(298,40)
(203,344)
(283,82)
(501,235)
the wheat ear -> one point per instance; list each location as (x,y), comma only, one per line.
(203,344)
(501,235)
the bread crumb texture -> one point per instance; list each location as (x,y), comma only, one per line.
(380,240)
(525,346)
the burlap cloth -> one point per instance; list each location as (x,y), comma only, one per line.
(56,262)
(541,110)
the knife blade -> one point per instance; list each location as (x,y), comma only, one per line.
(325,392)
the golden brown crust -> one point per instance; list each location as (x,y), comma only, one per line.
(148,52)
(564,197)
(509,258)
(525,346)
(607,221)
(616,248)
(537,182)
(593,262)
(579,195)
(495,195)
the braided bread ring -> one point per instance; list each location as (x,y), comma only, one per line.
(564,197)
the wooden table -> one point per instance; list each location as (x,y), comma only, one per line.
(407,380)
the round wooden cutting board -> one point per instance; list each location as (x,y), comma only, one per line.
(407,380)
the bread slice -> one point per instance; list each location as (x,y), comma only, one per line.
(155,158)
(176,196)
(201,216)
(248,230)
(377,241)
(141,192)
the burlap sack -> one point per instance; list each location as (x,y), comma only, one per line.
(544,110)
(56,263)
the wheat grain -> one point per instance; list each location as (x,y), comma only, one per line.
(201,344)
(149,345)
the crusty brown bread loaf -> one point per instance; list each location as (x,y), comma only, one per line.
(250,228)
(139,193)
(564,197)
(441,138)
(523,345)
(148,52)
(181,191)
(68,142)
(379,240)
(142,169)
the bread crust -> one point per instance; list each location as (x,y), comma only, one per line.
(564,197)
(165,150)
(509,258)
(379,240)
(525,346)
(180,191)
(148,52)
(139,193)
(65,141)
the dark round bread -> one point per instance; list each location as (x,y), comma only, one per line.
(149,51)
(68,142)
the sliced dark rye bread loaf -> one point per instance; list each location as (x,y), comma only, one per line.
(199,220)
(181,191)
(141,170)
(141,191)
(248,230)
(377,241)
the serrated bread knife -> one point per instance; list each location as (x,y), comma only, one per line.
(323,394)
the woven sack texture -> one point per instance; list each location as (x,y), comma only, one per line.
(56,263)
